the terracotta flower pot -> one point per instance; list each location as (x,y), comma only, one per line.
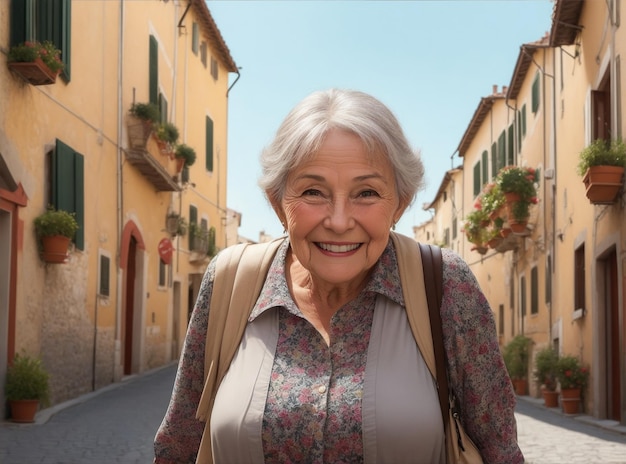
(603,183)
(570,400)
(519,385)
(55,249)
(23,410)
(550,398)
(35,72)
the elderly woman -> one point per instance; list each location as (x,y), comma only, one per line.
(339,175)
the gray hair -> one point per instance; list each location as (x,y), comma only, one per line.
(303,130)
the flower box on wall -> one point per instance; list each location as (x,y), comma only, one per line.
(35,72)
(603,183)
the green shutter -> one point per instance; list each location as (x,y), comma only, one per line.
(193,225)
(502,149)
(524,121)
(485,168)
(163,108)
(511,146)
(534,291)
(536,94)
(209,144)
(20,21)
(195,38)
(494,160)
(153,85)
(477,183)
(68,186)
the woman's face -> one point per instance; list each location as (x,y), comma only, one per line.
(338,209)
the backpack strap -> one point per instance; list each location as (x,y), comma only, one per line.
(240,272)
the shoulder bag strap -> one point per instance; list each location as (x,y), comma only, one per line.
(433,280)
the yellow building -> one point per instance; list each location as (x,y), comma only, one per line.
(119,304)
(561,281)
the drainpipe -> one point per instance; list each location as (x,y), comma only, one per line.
(120,213)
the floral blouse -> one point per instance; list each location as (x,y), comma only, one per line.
(302,359)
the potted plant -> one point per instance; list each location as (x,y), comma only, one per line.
(601,165)
(37,62)
(546,361)
(185,155)
(166,137)
(572,377)
(516,355)
(476,230)
(55,229)
(518,187)
(26,387)
(176,224)
(492,200)
(142,117)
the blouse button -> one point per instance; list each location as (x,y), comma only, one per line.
(322,389)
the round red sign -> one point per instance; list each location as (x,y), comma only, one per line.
(166,249)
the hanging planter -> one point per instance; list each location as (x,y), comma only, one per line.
(601,164)
(141,120)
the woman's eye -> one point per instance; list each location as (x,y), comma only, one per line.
(368,193)
(311,192)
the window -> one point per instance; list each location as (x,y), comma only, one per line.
(579,277)
(203,53)
(67,179)
(502,150)
(209,144)
(549,279)
(510,159)
(104,276)
(536,94)
(601,110)
(522,295)
(163,108)
(454,227)
(43,20)
(521,126)
(153,84)
(193,225)
(495,166)
(477,182)
(195,38)
(534,290)
(162,273)
(214,68)
(485,168)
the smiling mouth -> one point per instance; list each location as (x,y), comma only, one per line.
(338,248)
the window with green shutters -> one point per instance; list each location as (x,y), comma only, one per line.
(510,159)
(536,94)
(495,166)
(153,84)
(502,149)
(41,20)
(477,181)
(209,144)
(534,290)
(195,38)
(485,168)
(193,219)
(104,284)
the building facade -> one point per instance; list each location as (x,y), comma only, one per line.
(119,305)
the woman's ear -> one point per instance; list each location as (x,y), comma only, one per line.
(402,206)
(277,207)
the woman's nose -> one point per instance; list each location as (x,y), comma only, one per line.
(340,218)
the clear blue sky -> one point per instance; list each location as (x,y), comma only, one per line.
(429,61)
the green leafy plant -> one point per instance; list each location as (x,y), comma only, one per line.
(491,198)
(519,180)
(546,362)
(26,379)
(601,152)
(516,355)
(146,111)
(167,132)
(176,224)
(571,373)
(475,227)
(56,222)
(186,153)
(27,52)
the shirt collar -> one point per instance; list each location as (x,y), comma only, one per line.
(385,280)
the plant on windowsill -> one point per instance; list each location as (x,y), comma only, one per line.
(516,356)
(55,229)
(26,387)
(37,62)
(518,185)
(601,165)
(142,117)
(185,155)
(166,137)
(546,362)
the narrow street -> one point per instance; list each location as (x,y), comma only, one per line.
(117,425)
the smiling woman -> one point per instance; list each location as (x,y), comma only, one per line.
(328,368)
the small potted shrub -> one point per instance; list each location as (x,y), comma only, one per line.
(166,137)
(55,229)
(185,155)
(26,387)
(176,224)
(572,377)
(517,184)
(601,165)
(475,228)
(37,62)
(142,117)
(516,356)
(546,362)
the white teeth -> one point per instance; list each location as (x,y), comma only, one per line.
(338,248)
